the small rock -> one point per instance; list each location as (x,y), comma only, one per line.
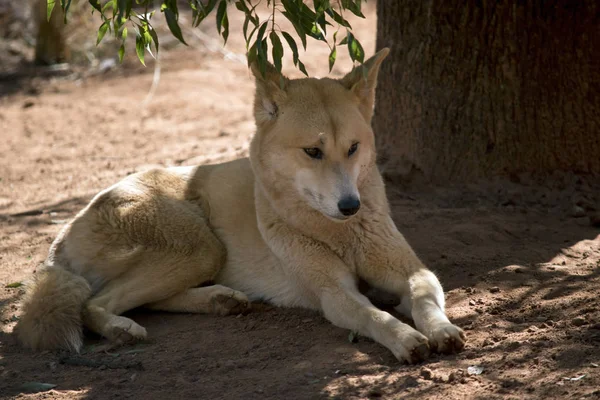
(455,376)
(427,374)
(472,302)
(28,104)
(488,342)
(494,289)
(578,321)
(577,212)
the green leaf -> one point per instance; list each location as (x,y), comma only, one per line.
(337,17)
(154,36)
(124,9)
(173,25)
(221,11)
(343,41)
(319,5)
(332,57)
(225,24)
(95,4)
(251,54)
(65,7)
(35,387)
(292,43)
(245,30)
(107,6)
(139,48)
(353,6)
(241,5)
(102,31)
(355,49)
(121,52)
(49,7)
(277,50)
(124,33)
(14,285)
(262,56)
(250,36)
(302,68)
(297,27)
(261,51)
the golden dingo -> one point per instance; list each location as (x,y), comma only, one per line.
(297,225)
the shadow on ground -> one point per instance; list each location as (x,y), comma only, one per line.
(522,284)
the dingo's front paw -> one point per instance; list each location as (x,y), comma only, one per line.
(413,347)
(447,338)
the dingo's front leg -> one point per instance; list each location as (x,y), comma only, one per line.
(391,265)
(331,286)
(346,307)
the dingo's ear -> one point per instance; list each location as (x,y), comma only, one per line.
(362,81)
(270,91)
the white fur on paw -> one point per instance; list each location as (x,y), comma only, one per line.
(415,348)
(447,338)
(124,330)
(407,344)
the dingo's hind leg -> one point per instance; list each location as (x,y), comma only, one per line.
(216,299)
(156,277)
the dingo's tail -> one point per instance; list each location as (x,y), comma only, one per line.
(51,311)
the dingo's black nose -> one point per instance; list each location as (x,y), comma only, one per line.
(349,205)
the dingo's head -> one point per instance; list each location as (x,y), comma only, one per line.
(314,141)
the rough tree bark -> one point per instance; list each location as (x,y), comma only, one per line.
(50,46)
(481,88)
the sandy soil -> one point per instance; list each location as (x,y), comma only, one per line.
(520,260)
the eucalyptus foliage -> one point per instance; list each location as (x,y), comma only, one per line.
(309,21)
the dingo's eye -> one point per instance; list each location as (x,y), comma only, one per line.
(314,152)
(352,149)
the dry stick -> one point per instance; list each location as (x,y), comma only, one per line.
(209,42)
(214,45)
(155,81)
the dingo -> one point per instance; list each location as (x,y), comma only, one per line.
(297,225)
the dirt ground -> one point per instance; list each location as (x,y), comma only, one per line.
(520,260)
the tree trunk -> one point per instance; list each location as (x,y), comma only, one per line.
(50,46)
(481,88)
